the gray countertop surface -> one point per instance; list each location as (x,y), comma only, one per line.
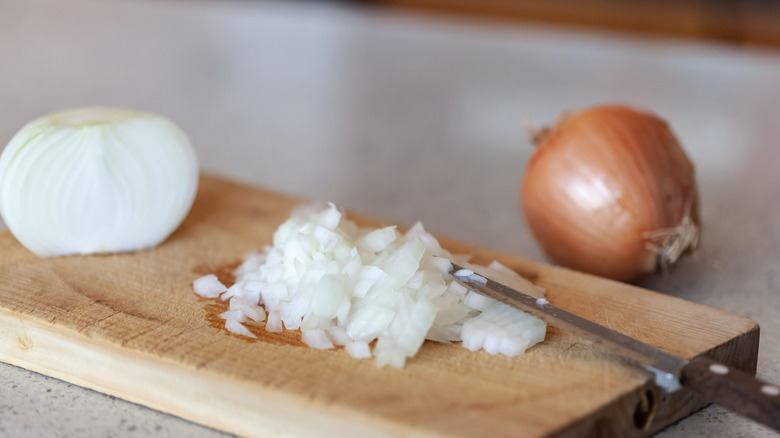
(405,118)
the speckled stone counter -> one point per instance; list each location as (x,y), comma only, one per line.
(405,118)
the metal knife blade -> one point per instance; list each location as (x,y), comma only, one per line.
(717,383)
(665,366)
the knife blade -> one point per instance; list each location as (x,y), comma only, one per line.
(717,383)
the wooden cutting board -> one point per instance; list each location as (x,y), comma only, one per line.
(130,325)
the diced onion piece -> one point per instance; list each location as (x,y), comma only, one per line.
(477,301)
(445,334)
(369,321)
(273,323)
(441,264)
(367,278)
(358,349)
(503,329)
(339,335)
(402,264)
(329,217)
(233,315)
(327,300)
(406,332)
(247,308)
(208,286)
(316,338)
(377,240)
(237,328)
(388,352)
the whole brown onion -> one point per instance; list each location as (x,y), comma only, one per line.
(610,191)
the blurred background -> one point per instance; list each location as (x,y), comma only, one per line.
(733,21)
(412,110)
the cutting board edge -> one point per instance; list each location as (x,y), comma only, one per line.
(37,335)
(33,345)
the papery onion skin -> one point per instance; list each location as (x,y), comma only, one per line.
(600,183)
(96,180)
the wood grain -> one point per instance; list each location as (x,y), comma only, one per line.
(130,325)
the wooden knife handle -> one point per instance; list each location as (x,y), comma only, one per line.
(733,389)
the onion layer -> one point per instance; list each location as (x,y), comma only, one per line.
(610,191)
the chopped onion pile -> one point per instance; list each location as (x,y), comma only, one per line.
(349,286)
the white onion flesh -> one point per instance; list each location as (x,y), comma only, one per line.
(96,180)
(209,286)
(502,329)
(349,286)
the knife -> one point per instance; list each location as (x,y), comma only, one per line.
(717,383)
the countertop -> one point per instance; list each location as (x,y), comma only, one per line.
(405,118)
